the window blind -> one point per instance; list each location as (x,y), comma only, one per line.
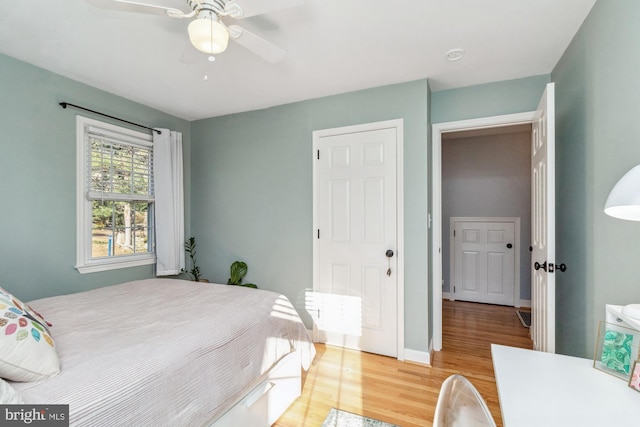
(120,166)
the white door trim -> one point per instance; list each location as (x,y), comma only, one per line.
(398,124)
(436,158)
(517,247)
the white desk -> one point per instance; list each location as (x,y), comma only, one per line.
(542,389)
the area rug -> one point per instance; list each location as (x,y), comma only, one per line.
(338,418)
(525,318)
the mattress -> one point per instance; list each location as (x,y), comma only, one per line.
(163,352)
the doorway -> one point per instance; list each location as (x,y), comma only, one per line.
(487,174)
(487,124)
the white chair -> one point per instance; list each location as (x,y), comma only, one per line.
(460,405)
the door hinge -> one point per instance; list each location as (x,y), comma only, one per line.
(318,154)
(454,233)
(318,233)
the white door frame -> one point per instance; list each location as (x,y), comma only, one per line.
(436,158)
(398,124)
(516,243)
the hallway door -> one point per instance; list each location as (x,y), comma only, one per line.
(484,253)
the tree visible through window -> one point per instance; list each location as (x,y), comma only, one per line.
(119,227)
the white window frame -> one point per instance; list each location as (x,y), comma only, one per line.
(84,262)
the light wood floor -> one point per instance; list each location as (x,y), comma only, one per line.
(405,393)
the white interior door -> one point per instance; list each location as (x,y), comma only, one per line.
(484,260)
(355,206)
(543,224)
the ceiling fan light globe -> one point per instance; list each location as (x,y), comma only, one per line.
(208,36)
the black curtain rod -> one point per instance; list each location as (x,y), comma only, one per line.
(66,104)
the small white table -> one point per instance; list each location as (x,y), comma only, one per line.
(543,389)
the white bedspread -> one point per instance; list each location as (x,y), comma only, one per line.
(163,352)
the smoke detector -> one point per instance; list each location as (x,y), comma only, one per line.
(454,54)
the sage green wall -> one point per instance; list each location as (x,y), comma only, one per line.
(38,175)
(597,141)
(252,191)
(487,100)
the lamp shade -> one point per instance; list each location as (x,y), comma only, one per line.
(208,35)
(624,200)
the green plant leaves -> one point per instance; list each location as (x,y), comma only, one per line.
(190,248)
(237,271)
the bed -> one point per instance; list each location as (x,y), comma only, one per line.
(165,352)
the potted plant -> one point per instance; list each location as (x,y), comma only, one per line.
(194,273)
(237,271)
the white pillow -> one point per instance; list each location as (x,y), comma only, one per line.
(27,351)
(8,394)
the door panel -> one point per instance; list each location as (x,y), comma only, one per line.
(340,201)
(495,273)
(471,267)
(373,194)
(355,198)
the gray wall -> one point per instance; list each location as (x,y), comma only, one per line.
(488,176)
(252,191)
(597,141)
(38,175)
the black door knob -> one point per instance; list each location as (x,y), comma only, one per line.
(539,266)
(389,253)
(509,245)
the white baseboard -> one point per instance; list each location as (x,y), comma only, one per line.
(417,356)
(522,302)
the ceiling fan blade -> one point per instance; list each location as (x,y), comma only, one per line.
(256,44)
(246,8)
(137,7)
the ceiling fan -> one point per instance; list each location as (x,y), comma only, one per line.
(207,31)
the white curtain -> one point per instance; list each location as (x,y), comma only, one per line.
(169,202)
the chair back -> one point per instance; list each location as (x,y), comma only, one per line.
(460,405)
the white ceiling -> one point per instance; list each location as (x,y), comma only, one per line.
(333,46)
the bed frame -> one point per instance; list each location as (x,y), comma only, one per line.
(269,399)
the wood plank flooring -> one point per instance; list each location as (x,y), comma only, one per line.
(405,393)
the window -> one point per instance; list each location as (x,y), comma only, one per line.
(115,197)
